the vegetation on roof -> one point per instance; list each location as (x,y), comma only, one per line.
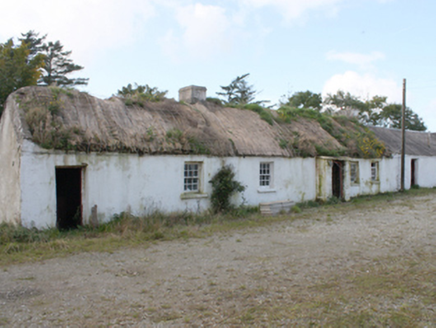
(140,94)
(75,121)
(357,140)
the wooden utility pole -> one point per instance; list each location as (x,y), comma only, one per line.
(403,136)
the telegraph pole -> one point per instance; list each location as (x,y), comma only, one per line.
(403,135)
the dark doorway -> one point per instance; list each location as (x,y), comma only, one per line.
(69,197)
(337,179)
(413,180)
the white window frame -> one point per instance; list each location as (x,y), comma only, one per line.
(266,177)
(356,173)
(192,177)
(375,172)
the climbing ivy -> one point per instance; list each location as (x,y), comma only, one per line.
(223,186)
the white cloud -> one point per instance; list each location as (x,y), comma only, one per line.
(293,9)
(171,46)
(206,29)
(84,26)
(363,60)
(365,86)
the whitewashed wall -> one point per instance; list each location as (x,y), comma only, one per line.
(389,175)
(140,184)
(425,171)
(388,180)
(10,150)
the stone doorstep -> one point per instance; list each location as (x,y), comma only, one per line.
(274,208)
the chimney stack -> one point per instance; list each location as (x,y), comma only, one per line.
(192,94)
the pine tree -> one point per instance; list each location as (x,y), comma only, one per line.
(239,92)
(33,41)
(58,66)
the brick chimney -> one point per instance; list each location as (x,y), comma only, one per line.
(192,94)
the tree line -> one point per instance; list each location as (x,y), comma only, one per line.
(375,111)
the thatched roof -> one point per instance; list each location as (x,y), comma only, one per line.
(70,120)
(417,142)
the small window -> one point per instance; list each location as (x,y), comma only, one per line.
(265,174)
(192,177)
(354,172)
(374,171)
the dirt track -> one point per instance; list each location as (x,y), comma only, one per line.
(214,280)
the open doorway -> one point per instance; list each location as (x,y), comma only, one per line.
(68,197)
(337,179)
(413,179)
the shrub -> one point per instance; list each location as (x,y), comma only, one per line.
(223,186)
(140,94)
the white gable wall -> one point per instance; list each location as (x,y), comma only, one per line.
(141,184)
(425,169)
(10,150)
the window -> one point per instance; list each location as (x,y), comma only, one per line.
(265,174)
(354,172)
(374,171)
(192,177)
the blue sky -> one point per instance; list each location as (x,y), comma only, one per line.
(365,47)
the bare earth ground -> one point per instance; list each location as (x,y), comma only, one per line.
(254,277)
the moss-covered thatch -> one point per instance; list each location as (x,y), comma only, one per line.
(70,120)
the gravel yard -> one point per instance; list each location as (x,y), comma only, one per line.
(347,262)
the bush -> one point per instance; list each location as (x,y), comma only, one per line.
(223,186)
(140,94)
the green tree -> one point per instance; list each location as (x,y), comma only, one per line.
(239,92)
(391,118)
(140,93)
(375,111)
(370,111)
(34,62)
(57,64)
(343,101)
(17,69)
(304,99)
(33,41)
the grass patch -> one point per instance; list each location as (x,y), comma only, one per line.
(263,113)
(18,244)
(388,292)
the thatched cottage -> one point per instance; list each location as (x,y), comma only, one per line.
(65,154)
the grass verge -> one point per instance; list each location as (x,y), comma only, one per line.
(18,244)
